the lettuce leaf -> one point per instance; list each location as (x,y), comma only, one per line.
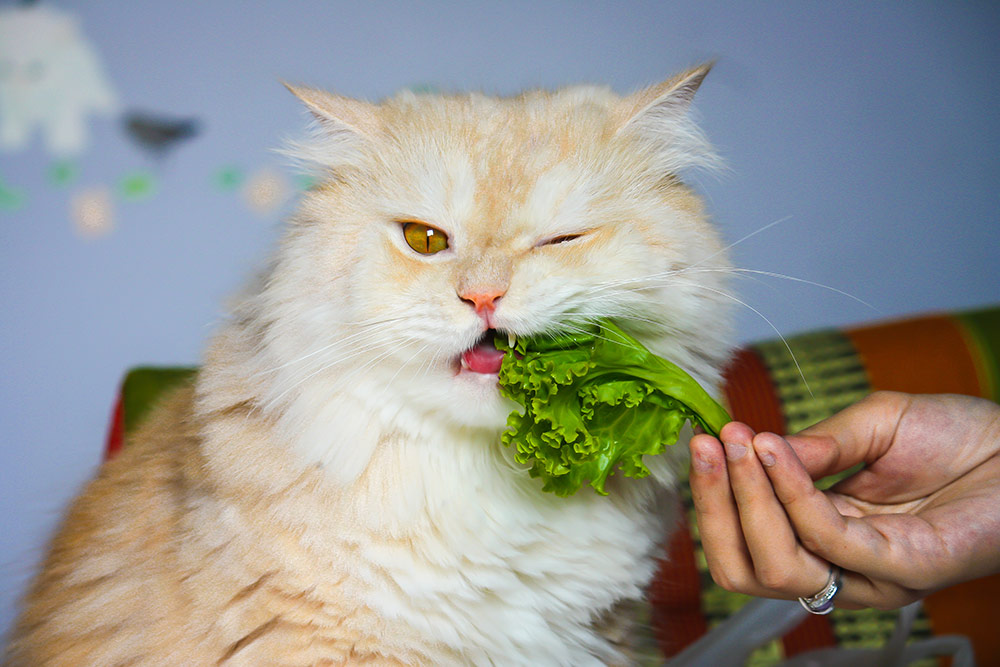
(594,401)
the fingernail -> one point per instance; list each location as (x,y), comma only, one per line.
(734,451)
(702,464)
(767,458)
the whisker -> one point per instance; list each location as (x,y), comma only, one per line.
(348,354)
(784,342)
(400,370)
(783,276)
(577,329)
(661,279)
(425,366)
(366,330)
(373,361)
(745,238)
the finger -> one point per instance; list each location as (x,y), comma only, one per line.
(715,510)
(853,543)
(781,566)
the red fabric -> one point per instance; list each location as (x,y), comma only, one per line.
(116,434)
(926,355)
(813,633)
(675,595)
(750,395)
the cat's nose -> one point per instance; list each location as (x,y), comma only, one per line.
(483,301)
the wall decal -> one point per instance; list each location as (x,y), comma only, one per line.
(157,133)
(11,198)
(51,80)
(266,191)
(136,185)
(92,212)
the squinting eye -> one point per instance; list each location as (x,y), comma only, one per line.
(423,238)
(565,238)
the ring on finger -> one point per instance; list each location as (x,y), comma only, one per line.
(822,602)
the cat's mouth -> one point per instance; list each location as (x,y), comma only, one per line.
(483,357)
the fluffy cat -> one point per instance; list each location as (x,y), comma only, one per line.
(331,490)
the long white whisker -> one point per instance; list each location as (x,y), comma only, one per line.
(396,343)
(425,366)
(769,323)
(372,362)
(569,326)
(745,238)
(399,370)
(661,279)
(366,330)
(782,276)
(347,354)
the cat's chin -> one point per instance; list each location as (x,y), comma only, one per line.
(477,400)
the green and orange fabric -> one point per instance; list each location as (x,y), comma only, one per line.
(783,387)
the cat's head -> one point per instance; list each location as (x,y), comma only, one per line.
(438,220)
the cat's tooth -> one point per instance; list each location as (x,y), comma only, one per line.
(511,339)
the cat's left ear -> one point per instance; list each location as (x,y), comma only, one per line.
(343,126)
(661,115)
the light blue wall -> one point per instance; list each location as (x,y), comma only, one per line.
(869,128)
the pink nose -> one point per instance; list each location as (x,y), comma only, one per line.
(482,301)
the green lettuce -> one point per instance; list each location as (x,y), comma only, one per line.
(594,401)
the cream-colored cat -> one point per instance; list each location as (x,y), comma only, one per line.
(332,489)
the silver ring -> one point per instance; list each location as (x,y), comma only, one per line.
(822,603)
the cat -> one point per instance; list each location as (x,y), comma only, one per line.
(331,488)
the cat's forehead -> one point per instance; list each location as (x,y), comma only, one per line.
(520,166)
(500,194)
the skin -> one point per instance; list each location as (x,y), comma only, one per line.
(924,513)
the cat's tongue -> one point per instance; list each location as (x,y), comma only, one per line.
(483,358)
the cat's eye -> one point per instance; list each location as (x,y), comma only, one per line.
(562,238)
(565,238)
(423,238)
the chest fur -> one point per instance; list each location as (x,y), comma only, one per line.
(462,557)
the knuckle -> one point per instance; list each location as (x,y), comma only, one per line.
(812,543)
(727,582)
(886,400)
(775,579)
(824,541)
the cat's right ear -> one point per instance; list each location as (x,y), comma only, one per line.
(661,117)
(343,126)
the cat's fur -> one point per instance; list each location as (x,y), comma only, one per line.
(331,490)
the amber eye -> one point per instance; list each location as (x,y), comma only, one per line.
(423,238)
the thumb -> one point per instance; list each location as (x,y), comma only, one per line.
(862,432)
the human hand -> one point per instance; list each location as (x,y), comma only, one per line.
(922,514)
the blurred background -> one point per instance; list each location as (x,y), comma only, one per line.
(139,187)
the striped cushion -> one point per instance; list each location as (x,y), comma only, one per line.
(784,388)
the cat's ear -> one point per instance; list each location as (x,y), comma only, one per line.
(337,113)
(661,116)
(343,126)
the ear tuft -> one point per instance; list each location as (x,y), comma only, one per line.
(342,126)
(661,117)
